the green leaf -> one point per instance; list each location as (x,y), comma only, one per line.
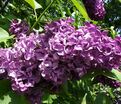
(44,3)
(48,99)
(5,100)
(113,74)
(33,4)
(8,96)
(5,24)
(4,35)
(4,89)
(84,99)
(5,86)
(102,99)
(81,8)
(12,97)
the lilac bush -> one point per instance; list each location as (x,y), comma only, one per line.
(63,52)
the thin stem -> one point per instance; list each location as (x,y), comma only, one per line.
(35,14)
(40,17)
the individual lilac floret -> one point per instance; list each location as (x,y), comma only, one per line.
(95,9)
(107,81)
(19,29)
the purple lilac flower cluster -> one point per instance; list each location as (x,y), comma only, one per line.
(23,67)
(3,63)
(95,9)
(20,65)
(47,60)
(19,29)
(85,49)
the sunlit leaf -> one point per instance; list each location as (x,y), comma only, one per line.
(4,35)
(33,4)
(48,99)
(84,99)
(81,8)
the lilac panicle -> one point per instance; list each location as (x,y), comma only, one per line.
(95,9)
(62,52)
(19,29)
(23,68)
(93,49)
